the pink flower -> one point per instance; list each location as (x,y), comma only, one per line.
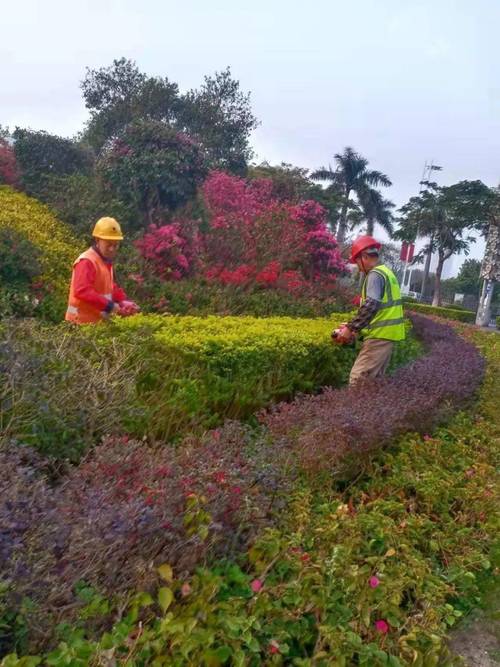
(220,477)
(427,438)
(374,582)
(185,590)
(382,626)
(256,585)
(274,647)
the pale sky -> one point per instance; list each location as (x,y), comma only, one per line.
(402,81)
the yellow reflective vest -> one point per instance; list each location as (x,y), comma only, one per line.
(388,322)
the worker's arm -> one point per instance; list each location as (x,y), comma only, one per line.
(118,294)
(375,286)
(84,278)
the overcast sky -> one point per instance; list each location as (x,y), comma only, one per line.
(401,81)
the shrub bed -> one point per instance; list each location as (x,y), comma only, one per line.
(54,250)
(371,571)
(158,376)
(197,296)
(336,423)
(449,313)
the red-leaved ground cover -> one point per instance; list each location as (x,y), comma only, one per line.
(352,421)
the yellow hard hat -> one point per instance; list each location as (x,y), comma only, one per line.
(107,229)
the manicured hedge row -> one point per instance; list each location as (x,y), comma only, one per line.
(448,313)
(370,572)
(159,376)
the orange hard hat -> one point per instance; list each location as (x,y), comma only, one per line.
(362,243)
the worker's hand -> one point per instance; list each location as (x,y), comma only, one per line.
(115,310)
(128,308)
(343,335)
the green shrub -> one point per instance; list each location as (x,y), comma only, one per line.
(449,313)
(38,267)
(498,322)
(158,376)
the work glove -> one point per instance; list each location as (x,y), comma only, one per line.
(128,308)
(343,335)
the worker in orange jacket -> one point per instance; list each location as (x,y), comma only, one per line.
(94,296)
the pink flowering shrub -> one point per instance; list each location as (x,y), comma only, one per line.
(250,240)
(168,251)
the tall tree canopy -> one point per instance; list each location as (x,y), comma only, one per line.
(218,115)
(153,168)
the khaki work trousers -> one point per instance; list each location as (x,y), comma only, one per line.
(372,360)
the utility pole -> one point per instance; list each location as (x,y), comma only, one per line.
(406,285)
(428,258)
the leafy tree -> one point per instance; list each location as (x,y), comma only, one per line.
(444,215)
(153,169)
(41,155)
(219,115)
(351,176)
(120,94)
(390,254)
(468,280)
(289,183)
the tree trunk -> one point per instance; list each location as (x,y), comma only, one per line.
(343,219)
(436,299)
(370,226)
(484,310)
(427,267)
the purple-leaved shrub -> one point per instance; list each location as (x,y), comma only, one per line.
(351,421)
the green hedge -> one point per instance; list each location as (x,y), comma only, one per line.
(159,376)
(448,313)
(498,322)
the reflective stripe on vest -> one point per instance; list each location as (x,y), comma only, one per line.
(81,312)
(388,322)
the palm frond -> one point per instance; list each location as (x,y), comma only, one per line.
(324,174)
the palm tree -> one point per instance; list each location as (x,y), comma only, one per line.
(350,176)
(376,209)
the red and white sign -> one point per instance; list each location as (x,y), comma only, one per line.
(407,251)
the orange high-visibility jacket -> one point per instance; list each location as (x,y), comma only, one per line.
(81,312)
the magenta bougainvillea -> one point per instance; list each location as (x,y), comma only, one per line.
(169,251)
(250,239)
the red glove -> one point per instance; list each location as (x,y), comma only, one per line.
(343,335)
(128,308)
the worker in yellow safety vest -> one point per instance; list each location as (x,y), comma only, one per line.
(94,296)
(379,320)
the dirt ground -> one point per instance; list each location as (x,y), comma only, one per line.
(477,640)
